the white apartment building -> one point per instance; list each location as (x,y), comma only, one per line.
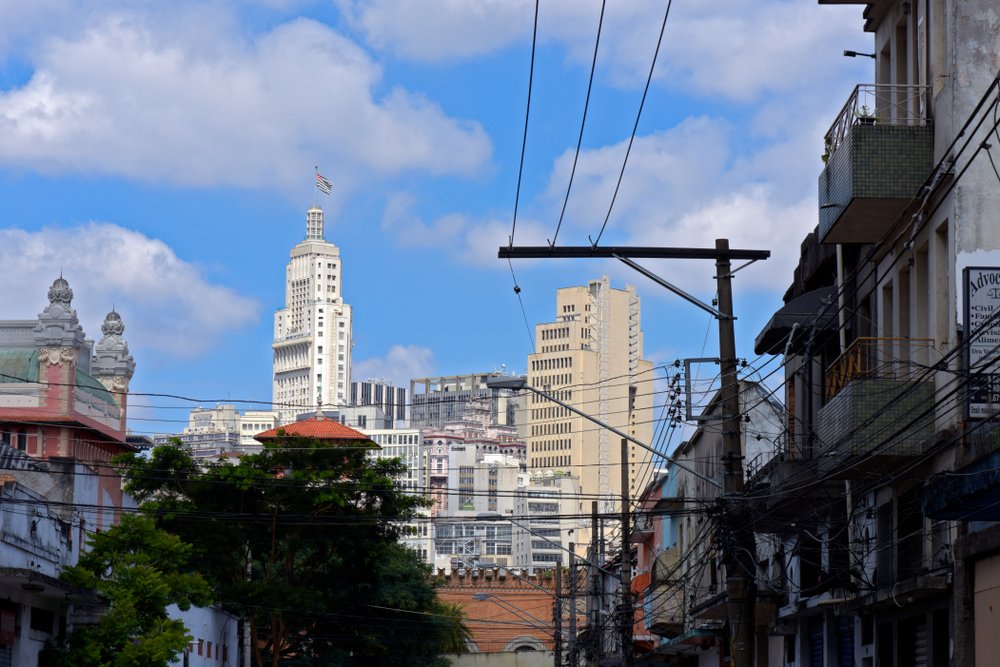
(475,525)
(408,445)
(405,444)
(221,430)
(312,333)
(543,523)
(590,356)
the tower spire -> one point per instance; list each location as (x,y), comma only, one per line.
(314,223)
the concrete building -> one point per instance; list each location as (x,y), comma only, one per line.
(221,431)
(543,527)
(892,396)
(875,521)
(474,525)
(591,357)
(408,446)
(440,400)
(215,637)
(363,417)
(383,394)
(475,433)
(313,332)
(37,540)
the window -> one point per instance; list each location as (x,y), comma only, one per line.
(42,620)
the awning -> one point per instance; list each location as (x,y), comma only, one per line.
(817,309)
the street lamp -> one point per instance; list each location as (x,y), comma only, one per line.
(519,383)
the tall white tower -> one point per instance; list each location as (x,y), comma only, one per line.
(312,333)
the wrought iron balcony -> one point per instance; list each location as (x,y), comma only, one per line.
(879,151)
(879,406)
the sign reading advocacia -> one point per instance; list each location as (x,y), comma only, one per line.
(982,338)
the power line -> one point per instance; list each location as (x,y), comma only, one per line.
(583,123)
(635,126)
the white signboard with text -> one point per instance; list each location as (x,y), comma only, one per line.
(982,337)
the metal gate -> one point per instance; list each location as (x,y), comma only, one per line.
(845,641)
(816,642)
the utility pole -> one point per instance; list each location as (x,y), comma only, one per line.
(627,619)
(557,618)
(596,624)
(739,539)
(572,605)
(735,522)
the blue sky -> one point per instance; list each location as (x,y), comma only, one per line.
(161,154)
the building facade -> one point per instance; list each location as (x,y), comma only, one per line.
(383,394)
(543,527)
(64,396)
(313,332)
(221,431)
(440,400)
(875,521)
(590,356)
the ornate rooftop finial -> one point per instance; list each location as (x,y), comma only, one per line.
(113,325)
(60,292)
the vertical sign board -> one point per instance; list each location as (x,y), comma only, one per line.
(982,338)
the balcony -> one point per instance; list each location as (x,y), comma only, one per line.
(664,599)
(879,151)
(879,409)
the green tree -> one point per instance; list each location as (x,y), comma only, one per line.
(456,632)
(140,570)
(302,540)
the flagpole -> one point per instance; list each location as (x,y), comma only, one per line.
(315,186)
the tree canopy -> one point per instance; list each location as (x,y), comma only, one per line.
(139,570)
(301,540)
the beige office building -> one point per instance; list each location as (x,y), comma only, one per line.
(590,356)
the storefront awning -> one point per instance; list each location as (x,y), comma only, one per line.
(797,318)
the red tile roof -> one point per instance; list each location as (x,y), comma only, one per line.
(316,428)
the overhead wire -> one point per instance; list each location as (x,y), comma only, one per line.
(583,124)
(635,126)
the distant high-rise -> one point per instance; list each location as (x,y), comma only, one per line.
(591,357)
(312,333)
(437,401)
(382,393)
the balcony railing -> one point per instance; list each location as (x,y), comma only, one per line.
(880,406)
(875,103)
(878,358)
(879,151)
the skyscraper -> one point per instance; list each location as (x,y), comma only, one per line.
(312,333)
(591,358)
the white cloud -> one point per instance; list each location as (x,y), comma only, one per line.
(728,47)
(401,364)
(468,239)
(693,183)
(188,101)
(165,302)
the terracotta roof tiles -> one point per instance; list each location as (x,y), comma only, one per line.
(317,428)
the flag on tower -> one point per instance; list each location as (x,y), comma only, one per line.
(324,184)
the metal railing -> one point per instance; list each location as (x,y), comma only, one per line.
(879,104)
(882,358)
